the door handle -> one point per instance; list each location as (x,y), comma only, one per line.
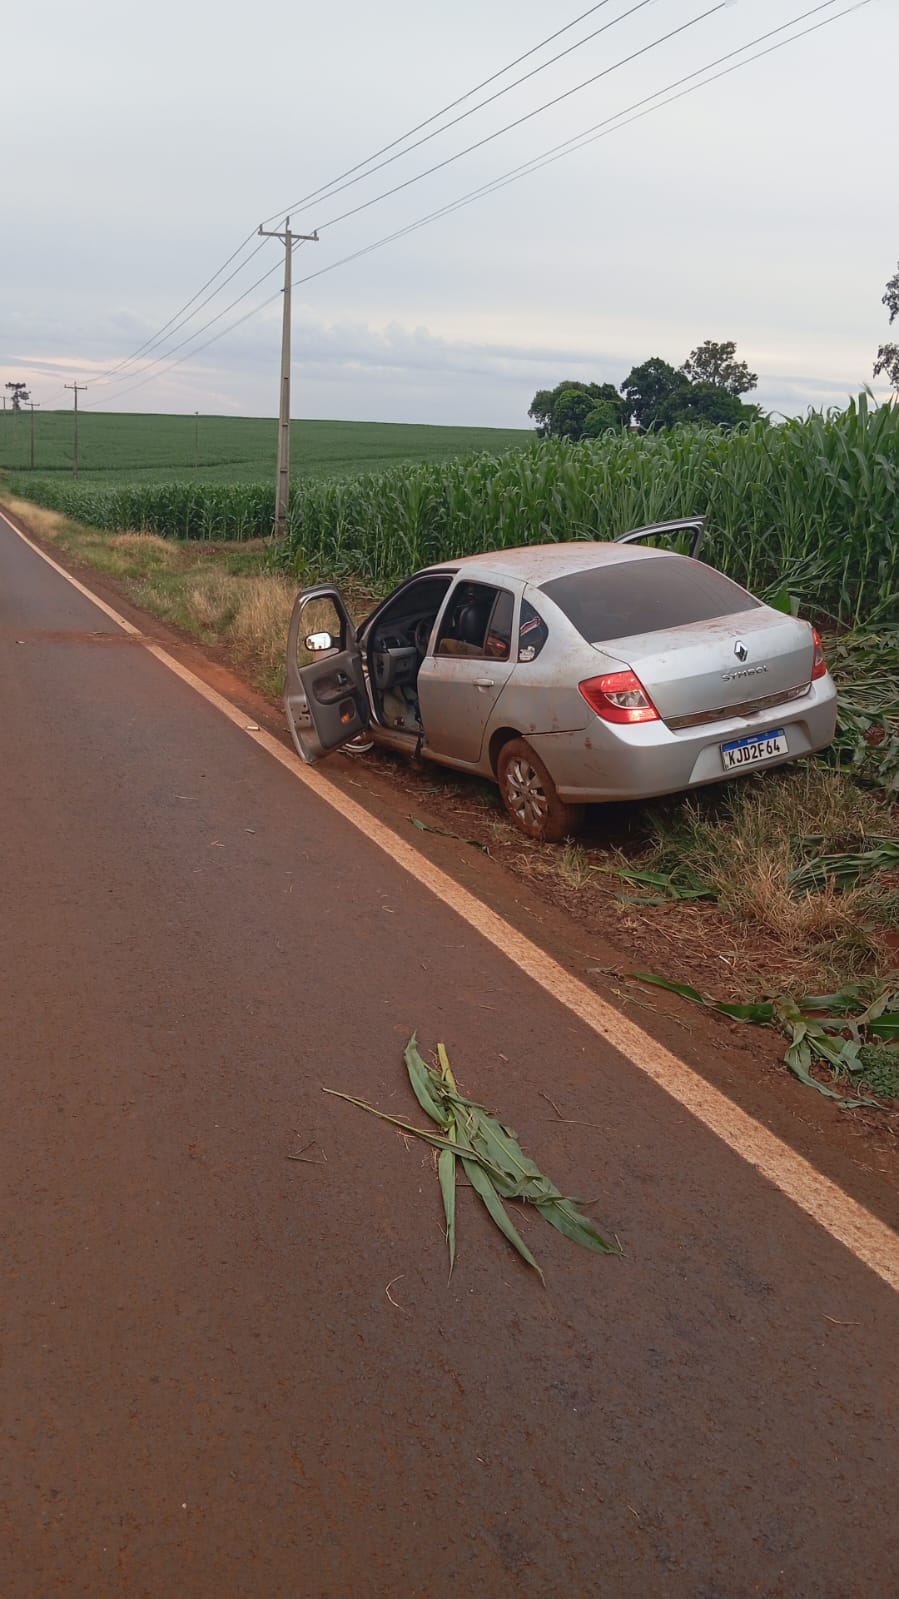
(484,682)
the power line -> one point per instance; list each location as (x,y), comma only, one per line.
(610,124)
(328,190)
(166,325)
(529,115)
(336,187)
(253,311)
(174,325)
(318,193)
(180,318)
(489,138)
(613,124)
(217,318)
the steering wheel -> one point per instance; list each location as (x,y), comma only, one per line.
(421,635)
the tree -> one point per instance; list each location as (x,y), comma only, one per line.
(569,412)
(650,387)
(715,364)
(705,390)
(708,404)
(540,410)
(20,395)
(888,355)
(563,412)
(606,414)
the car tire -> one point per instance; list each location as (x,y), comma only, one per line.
(360,745)
(530,797)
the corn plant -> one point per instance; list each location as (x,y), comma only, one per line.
(811,506)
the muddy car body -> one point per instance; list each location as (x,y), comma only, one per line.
(569,674)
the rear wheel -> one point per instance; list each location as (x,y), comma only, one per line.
(529,795)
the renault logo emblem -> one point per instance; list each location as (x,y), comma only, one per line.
(740,650)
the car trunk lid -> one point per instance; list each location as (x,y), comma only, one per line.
(733,664)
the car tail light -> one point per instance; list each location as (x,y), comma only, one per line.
(619,697)
(819,666)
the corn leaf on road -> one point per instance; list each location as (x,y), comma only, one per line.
(205,1387)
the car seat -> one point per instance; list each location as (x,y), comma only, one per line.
(471,623)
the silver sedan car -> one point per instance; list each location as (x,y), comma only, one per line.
(569,674)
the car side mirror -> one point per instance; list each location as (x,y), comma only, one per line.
(315,642)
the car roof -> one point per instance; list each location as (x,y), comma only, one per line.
(539,563)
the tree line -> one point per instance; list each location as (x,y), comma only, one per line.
(706,389)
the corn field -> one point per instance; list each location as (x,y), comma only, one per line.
(812,505)
(173,510)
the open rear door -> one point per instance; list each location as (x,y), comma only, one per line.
(693,527)
(325,697)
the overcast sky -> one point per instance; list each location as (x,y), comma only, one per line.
(142,145)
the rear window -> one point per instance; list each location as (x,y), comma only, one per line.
(609,602)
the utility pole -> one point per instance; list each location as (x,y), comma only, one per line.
(196,440)
(32,404)
(79,388)
(282,488)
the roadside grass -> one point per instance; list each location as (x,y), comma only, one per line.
(783,882)
(218,593)
(744,845)
(880,1070)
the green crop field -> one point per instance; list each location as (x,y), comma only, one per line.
(116,449)
(812,505)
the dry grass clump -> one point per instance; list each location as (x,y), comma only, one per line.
(250,612)
(262,616)
(212,600)
(144,545)
(48,524)
(827,920)
(745,842)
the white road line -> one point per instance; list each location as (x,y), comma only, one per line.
(870,1240)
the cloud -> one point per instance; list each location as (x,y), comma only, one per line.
(353,368)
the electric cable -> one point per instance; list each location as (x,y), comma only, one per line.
(328,190)
(599,130)
(449,160)
(319,192)
(180,317)
(528,116)
(612,124)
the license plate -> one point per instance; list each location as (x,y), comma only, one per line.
(751,751)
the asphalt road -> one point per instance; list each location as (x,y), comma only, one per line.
(205,1387)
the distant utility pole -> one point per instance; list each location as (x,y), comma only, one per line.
(282,489)
(34,404)
(19,395)
(196,440)
(79,388)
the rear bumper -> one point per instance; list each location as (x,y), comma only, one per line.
(608,762)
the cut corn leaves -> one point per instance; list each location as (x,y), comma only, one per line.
(427,827)
(843,871)
(446,1160)
(482,1186)
(423,1084)
(680,884)
(817,1026)
(446,1171)
(494,1162)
